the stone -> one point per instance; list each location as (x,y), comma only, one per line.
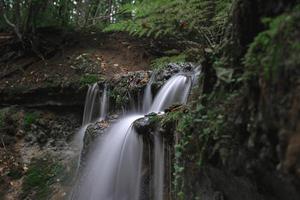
(144,126)
(42,138)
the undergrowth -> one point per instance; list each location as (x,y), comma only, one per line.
(199,130)
(89,79)
(41,174)
(161,62)
(271,49)
(30,118)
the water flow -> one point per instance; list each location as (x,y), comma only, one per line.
(176,90)
(113,169)
(90,102)
(147,99)
(90,113)
(104,104)
(94,108)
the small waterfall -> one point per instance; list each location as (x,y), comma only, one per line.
(168,95)
(113,168)
(91,112)
(90,102)
(104,104)
(94,107)
(176,90)
(147,99)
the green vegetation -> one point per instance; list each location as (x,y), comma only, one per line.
(201,131)
(191,24)
(178,19)
(159,63)
(42,173)
(30,118)
(89,79)
(119,95)
(271,48)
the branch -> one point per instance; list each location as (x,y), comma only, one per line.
(16,29)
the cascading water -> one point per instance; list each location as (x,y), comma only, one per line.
(147,99)
(176,90)
(90,102)
(95,107)
(113,169)
(104,104)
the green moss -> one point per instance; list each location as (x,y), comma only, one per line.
(89,79)
(30,118)
(42,173)
(119,95)
(160,63)
(271,49)
(198,129)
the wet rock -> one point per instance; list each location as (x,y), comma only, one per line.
(143,126)
(92,132)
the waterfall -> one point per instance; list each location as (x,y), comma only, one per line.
(90,113)
(104,104)
(90,102)
(176,90)
(113,168)
(94,107)
(147,98)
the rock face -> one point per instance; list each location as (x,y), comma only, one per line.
(92,132)
(62,95)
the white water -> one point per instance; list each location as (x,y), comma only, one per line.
(90,101)
(95,107)
(147,99)
(176,90)
(113,169)
(104,104)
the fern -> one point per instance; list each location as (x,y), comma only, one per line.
(202,21)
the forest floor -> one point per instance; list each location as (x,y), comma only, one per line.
(88,53)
